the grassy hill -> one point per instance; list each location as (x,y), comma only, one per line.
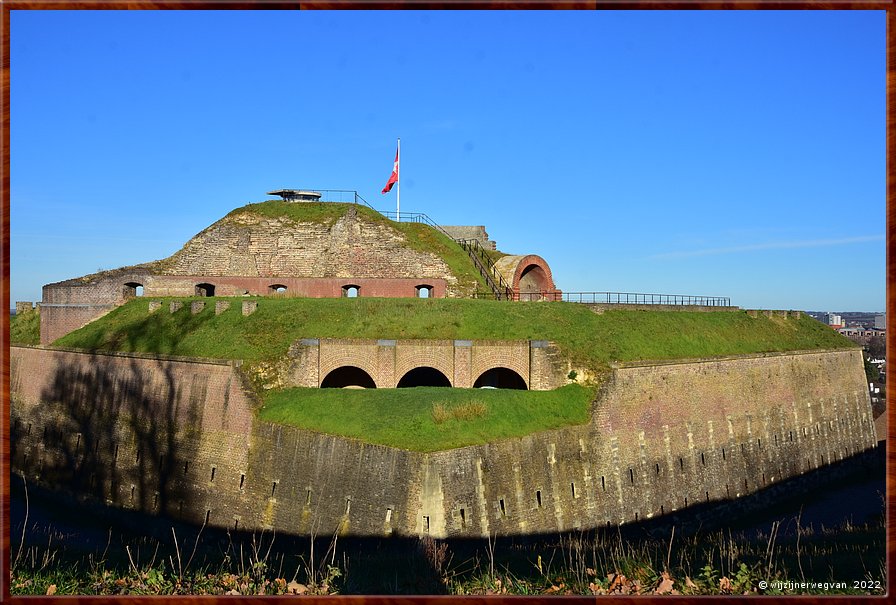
(417,236)
(25,329)
(590,340)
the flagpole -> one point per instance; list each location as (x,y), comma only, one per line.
(398,183)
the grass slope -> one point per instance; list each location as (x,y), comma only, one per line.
(24,329)
(589,339)
(428,419)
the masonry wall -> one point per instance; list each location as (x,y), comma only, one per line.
(251,245)
(133,431)
(661,438)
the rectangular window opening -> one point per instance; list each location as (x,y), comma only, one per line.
(389,515)
(426,523)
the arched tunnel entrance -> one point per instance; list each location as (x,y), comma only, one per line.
(500,378)
(348,377)
(534,283)
(424,377)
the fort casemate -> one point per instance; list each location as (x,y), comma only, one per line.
(107,408)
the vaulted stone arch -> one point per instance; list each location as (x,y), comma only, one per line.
(348,377)
(529,276)
(500,378)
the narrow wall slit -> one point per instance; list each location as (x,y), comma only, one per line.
(463,519)
(537,498)
(503,509)
(242,480)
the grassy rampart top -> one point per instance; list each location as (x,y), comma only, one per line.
(589,339)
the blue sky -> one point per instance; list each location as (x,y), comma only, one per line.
(737,154)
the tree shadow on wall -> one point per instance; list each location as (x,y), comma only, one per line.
(112,429)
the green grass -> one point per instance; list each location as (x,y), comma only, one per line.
(25,329)
(410,418)
(299,212)
(590,340)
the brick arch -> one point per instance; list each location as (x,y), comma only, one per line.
(529,277)
(511,356)
(440,358)
(333,357)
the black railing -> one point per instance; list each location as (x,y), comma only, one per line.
(632,298)
(482,261)
(487,269)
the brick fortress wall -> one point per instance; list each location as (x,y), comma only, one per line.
(177,436)
(250,253)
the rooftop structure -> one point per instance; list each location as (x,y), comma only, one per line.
(297,195)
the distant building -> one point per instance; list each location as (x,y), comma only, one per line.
(880,321)
(861,335)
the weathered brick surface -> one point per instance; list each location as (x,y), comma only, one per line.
(251,245)
(145,433)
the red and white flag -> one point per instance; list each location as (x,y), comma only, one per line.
(393,178)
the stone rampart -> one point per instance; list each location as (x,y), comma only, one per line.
(178,437)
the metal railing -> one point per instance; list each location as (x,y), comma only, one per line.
(632,298)
(482,261)
(487,269)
